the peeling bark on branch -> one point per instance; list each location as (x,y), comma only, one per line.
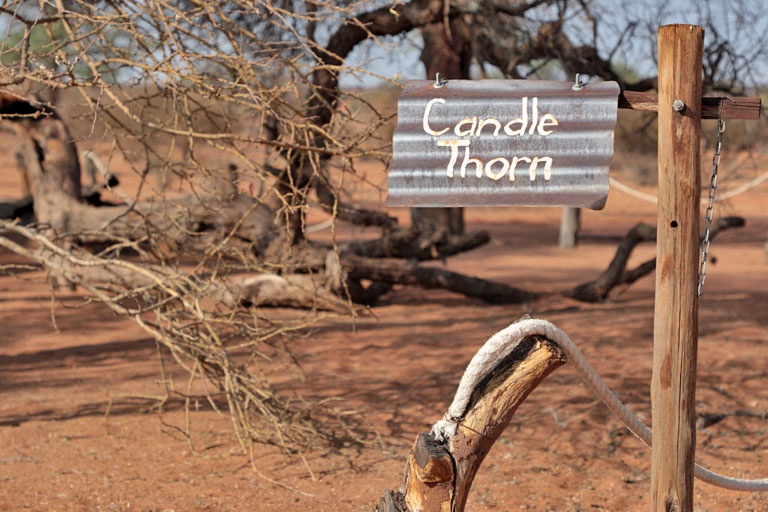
(439,475)
(311,291)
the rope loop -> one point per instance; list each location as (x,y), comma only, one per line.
(503,342)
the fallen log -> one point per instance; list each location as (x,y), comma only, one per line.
(414,243)
(135,279)
(401,272)
(617,274)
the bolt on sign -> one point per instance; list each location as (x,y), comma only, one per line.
(503,142)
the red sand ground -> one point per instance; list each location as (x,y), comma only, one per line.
(60,364)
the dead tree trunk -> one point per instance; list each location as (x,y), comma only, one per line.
(447,50)
(439,475)
(49,157)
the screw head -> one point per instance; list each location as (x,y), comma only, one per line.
(678,105)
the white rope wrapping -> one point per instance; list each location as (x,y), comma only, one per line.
(503,342)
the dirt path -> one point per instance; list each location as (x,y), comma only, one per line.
(62,362)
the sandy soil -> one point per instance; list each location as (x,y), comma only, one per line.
(64,362)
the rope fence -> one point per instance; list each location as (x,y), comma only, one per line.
(723,196)
(503,342)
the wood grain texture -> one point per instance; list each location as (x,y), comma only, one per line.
(675,333)
(494,403)
(711,107)
(439,475)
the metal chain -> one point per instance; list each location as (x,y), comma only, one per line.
(710,208)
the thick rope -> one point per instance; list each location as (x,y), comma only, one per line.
(724,196)
(633,192)
(503,342)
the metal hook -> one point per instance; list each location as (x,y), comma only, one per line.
(578,84)
(439,83)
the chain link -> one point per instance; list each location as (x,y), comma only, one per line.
(710,208)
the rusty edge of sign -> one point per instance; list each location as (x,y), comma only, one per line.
(581,146)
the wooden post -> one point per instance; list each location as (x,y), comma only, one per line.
(569,227)
(675,332)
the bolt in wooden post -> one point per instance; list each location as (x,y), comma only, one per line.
(675,332)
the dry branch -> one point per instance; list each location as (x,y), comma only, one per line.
(193,316)
(617,274)
(413,243)
(399,272)
(439,475)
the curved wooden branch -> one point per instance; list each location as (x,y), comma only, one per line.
(598,289)
(388,20)
(617,274)
(439,475)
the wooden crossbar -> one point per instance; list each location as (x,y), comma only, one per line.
(711,108)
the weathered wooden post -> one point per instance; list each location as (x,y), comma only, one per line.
(675,332)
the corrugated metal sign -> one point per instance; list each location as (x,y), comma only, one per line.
(503,142)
